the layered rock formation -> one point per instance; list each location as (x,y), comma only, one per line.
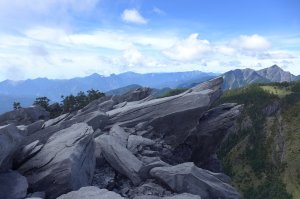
(130,146)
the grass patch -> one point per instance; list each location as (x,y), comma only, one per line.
(281,92)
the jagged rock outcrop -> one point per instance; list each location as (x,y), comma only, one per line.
(209,133)
(166,114)
(91,193)
(120,158)
(128,144)
(10,140)
(187,178)
(65,163)
(24,116)
(13,185)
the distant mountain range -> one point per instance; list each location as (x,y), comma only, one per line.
(242,77)
(23,91)
(26,91)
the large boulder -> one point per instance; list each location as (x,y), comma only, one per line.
(65,163)
(13,185)
(166,114)
(10,139)
(91,193)
(120,158)
(187,178)
(24,116)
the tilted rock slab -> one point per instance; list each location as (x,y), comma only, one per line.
(91,193)
(120,158)
(172,117)
(187,178)
(65,163)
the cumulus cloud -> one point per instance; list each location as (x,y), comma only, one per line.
(225,50)
(132,56)
(189,49)
(252,43)
(133,16)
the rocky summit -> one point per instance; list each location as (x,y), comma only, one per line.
(132,146)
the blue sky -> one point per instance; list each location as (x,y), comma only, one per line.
(69,38)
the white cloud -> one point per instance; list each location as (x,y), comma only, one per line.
(189,49)
(158,11)
(225,50)
(253,43)
(57,53)
(133,16)
(133,57)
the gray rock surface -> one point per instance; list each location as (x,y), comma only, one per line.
(183,196)
(24,116)
(166,114)
(187,178)
(119,134)
(135,142)
(10,140)
(145,169)
(35,195)
(136,95)
(13,185)
(150,189)
(210,131)
(56,120)
(95,119)
(120,158)
(179,196)
(65,163)
(32,128)
(90,193)
(27,152)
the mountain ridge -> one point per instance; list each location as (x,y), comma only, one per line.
(55,88)
(243,77)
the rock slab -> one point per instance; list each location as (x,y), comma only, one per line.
(120,158)
(65,163)
(91,193)
(187,178)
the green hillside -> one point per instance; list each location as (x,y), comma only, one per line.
(262,152)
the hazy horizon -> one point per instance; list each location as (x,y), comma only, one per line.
(66,39)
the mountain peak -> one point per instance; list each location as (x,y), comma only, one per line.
(276,74)
(274,67)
